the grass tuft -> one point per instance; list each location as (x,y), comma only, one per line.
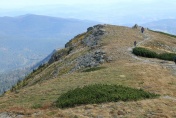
(36,106)
(99,93)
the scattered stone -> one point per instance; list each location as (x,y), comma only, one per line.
(94,37)
(122,76)
(115,116)
(100,117)
(120,113)
(135,26)
(91,59)
(10,115)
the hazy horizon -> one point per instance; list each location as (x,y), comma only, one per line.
(112,11)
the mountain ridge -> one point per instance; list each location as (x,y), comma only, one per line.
(108,47)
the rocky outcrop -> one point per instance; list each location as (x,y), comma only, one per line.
(94,35)
(58,55)
(135,26)
(10,115)
(91,59)
(91,39)
(94,56)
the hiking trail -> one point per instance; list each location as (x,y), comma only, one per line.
(165,64)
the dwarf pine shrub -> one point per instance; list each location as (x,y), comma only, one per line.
(98,93)
(144,52)
(150,54)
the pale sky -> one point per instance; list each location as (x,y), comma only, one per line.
(111,11)
(8,4)
(25,3)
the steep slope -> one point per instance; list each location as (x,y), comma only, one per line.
(108,47)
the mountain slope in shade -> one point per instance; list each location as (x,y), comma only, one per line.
(165,25)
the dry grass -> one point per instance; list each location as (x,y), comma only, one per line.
(123,70)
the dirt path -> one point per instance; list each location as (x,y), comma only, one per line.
(169,98)
(165,64)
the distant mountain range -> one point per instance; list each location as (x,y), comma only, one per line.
(165,25)
(27,39)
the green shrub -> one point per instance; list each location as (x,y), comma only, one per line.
(100,93)
(167,56)
(144,52)
(147,53)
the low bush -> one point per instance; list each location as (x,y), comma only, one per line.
(167,56)
(150,54)
(101,93)
(144,52)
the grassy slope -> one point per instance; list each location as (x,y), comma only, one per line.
(124,70)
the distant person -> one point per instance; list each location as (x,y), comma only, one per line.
(175,59)
(142,29)
(135,43)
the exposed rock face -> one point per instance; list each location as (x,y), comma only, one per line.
(91,38)
(95,35)
(94,57)
(59,54)
(10,115)
(91,60)
(135,26)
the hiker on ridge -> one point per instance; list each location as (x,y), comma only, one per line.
(142,29)
(174,59)
(135,43)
